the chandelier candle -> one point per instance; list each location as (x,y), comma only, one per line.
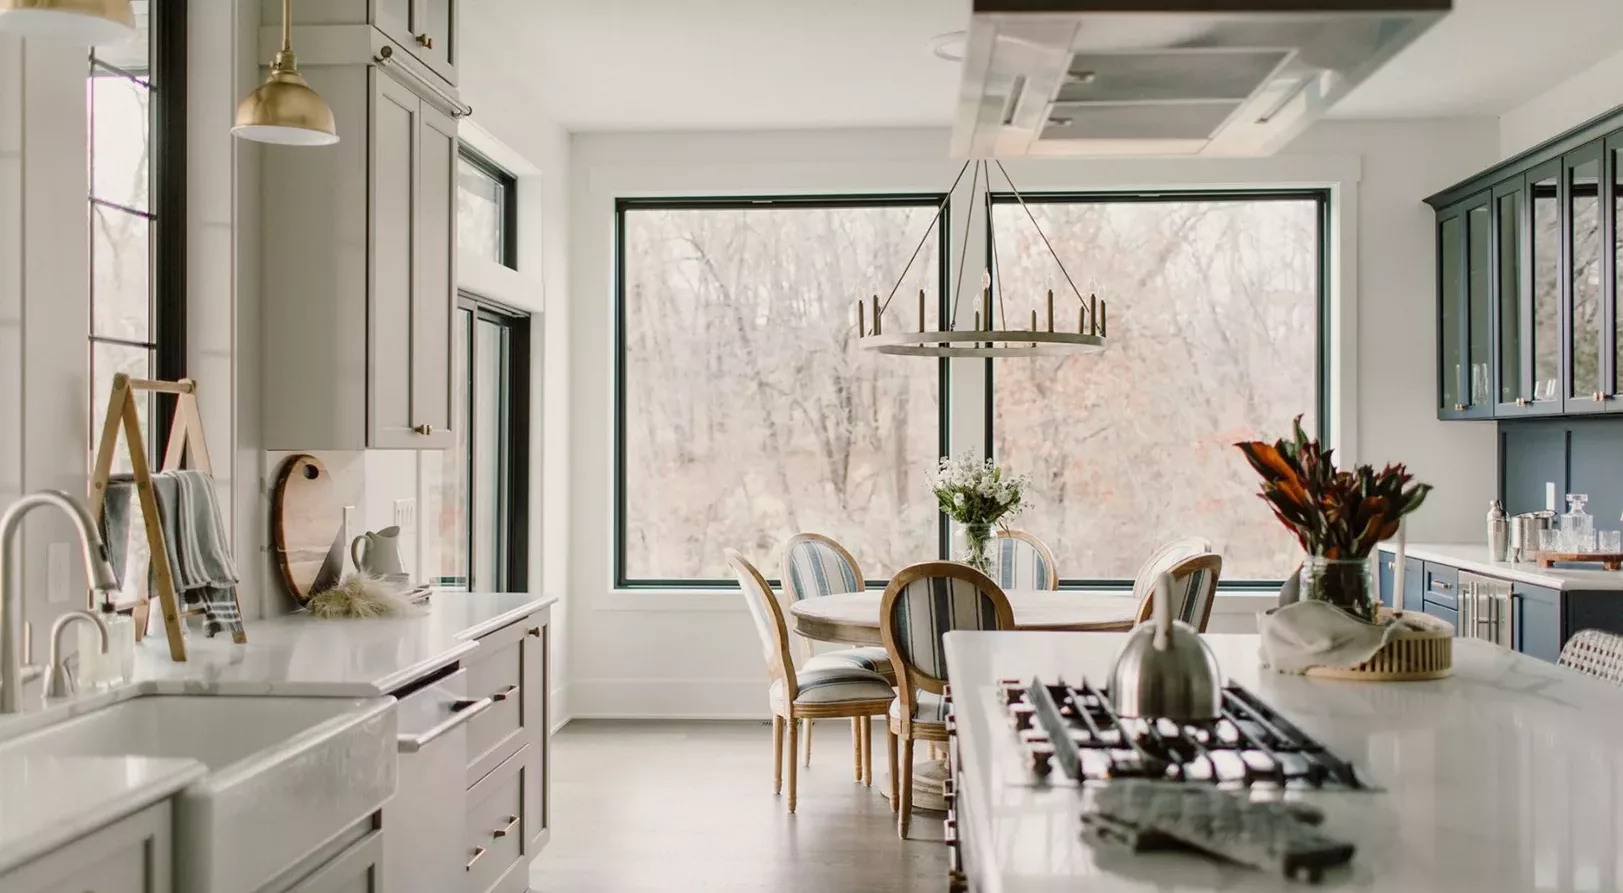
(876,316)
(921,309)
(1050,312)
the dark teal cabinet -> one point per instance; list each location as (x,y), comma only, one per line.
(1413,582)
(1537,621)
(1465,307)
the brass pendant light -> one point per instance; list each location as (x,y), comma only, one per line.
(284,109)
(88,22)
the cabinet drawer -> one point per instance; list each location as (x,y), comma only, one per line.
(495,830)
(131,856)
(1447,614)
(508,668)
(1443,585)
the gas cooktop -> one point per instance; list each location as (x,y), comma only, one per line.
(1250,746)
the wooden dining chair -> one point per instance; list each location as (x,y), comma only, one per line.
(1194,589)
(1594,653)
(923,603)
(810,693)
(1022,561)
(815,565)
(1160,562)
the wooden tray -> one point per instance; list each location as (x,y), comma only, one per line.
(1609,560)
(1411,657)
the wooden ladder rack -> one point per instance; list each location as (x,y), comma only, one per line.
(185,442)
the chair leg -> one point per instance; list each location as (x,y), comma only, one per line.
(777,755)
(904,810)
(856,749)
(890,751)
(808,741)
(794,730)
(867,750)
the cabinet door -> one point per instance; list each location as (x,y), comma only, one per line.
(131,856)
(1465,310)
(396,116)
(1613,269)
(537,693)
(1537,621)
(434,289)
(1545,329)
(358,869)
(397,19)
(1414,584)
(1588,342)
(436,36)
(1513,305)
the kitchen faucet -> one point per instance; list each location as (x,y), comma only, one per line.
(13,669)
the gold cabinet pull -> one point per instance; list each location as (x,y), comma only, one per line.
(534,631)
(505,693)
(425,40)
(424,430)
(1521,401)
(507,829)
(1459,407)
(478,853)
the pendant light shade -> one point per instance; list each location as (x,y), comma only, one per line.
(87,22)
(284,110)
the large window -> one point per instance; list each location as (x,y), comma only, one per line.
(136,103)
(1216,302)
(744,411)
(486,212)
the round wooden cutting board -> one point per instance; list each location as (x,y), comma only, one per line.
(308,527)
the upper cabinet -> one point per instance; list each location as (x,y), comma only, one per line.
(427,29)
(1528,282)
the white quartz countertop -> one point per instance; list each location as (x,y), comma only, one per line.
(1507,776)
(47,802)
(1473,557)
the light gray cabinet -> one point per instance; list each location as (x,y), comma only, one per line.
(358,869)
(129,856)
(427,29)
(359,272)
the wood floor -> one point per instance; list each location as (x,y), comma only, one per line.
(676,806)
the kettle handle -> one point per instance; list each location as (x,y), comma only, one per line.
(355,551)
(1161,612)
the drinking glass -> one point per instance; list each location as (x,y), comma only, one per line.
(1550,540)
(1611,541)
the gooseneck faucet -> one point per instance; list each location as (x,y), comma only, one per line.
(99,572)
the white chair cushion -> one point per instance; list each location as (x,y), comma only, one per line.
(927,708)
(834,685)
(871,658)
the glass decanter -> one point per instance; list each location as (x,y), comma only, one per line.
(1577,526)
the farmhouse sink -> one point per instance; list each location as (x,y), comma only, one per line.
(285,774)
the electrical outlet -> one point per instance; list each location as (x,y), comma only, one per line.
(405,513)
(57,572)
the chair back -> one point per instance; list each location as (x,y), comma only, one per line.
(925,602)
(1161,562)
(1194,588)
(1595,653)
(1022,561)
(768,617)
(815,565)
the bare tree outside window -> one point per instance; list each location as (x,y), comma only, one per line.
(748,413)
(1214,330)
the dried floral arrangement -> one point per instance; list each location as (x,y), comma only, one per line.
(1334,514)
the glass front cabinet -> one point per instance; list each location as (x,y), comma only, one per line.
(1530,283)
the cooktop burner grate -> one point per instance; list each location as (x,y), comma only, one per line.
(1250,746)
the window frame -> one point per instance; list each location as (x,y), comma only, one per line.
(509,204)
(1321,196)
(622,205)
(166,78)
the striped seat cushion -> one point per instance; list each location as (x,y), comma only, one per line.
(834,685)
(927,708)
(816,570)
(872,658)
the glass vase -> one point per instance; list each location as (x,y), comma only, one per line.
(975,546)
(1343,582)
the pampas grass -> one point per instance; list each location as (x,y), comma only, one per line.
(361,595)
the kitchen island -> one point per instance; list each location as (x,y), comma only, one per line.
(1506,776)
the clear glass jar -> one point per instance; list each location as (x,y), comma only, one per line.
(975,546)
(1343,582)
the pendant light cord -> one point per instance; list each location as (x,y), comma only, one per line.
(287,26)
(940,210)
(1049,245)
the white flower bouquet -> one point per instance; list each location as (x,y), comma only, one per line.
(977,495)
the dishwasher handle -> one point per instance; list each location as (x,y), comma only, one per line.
(462,712)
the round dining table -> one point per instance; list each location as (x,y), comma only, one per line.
(853,617)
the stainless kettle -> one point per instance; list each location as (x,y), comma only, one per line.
(1166,669)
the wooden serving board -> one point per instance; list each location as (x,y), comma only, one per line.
(1609,560)
(307,527)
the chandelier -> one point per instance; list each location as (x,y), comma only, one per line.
(991,334)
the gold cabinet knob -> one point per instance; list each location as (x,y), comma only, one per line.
(1459,407)
(426,41)
(1521,401)
(424,430)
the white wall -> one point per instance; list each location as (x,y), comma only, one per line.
(691,653)
(1586,95)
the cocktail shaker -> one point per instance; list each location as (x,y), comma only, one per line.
(1498,532)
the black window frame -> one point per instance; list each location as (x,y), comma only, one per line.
(167,80)
(509,203)
(1321,196)
(736,202)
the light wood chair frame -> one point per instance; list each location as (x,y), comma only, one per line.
(901,730)
(186,444)
(805,643)
(1031,539)
(1210,562)
(780,667)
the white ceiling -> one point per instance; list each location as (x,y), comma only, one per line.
(762,64)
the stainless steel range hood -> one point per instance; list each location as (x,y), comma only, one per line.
(1167,77)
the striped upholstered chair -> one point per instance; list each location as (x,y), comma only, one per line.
(1194,589)
(923,603)
(815,565)
(1022,561)
(811,692)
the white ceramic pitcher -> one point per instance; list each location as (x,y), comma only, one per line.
(377,552)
